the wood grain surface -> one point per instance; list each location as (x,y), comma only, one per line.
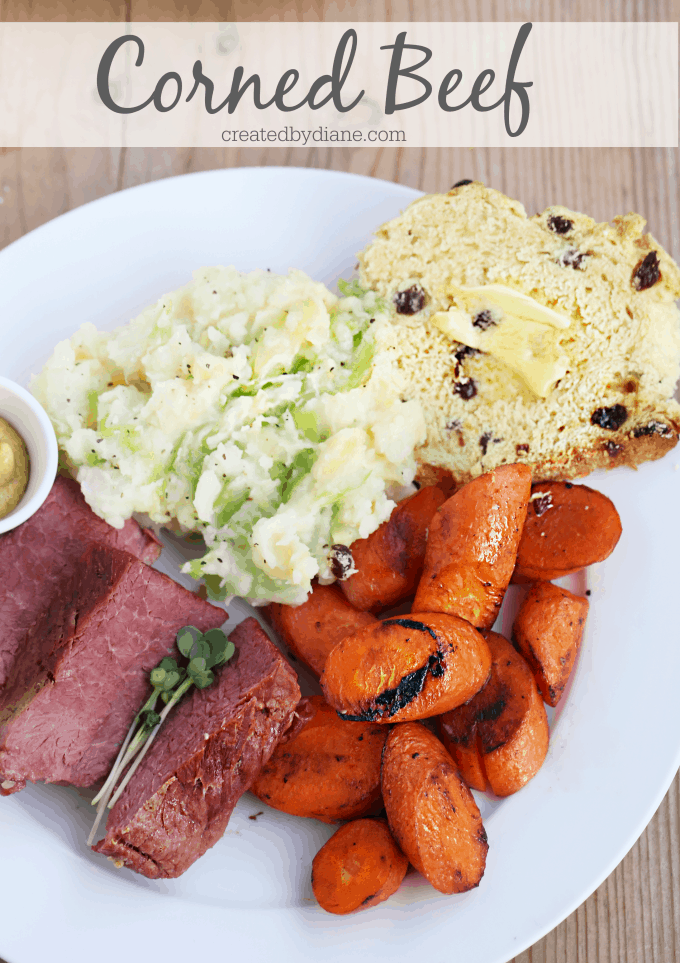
(634,916)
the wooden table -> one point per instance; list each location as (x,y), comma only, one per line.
(634,916)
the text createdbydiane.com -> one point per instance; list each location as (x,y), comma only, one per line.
(320,135)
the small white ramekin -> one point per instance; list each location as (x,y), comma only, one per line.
(20,409)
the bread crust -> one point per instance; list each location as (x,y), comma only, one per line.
(631,452)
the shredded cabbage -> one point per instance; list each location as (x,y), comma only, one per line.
(248,407)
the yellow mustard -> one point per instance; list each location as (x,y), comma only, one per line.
(14,468)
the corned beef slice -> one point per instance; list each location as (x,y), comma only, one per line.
(208,752)
(83,673)
(37,555)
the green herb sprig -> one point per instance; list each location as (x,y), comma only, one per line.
(170,681)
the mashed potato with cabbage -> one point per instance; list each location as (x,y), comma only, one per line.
(251,408)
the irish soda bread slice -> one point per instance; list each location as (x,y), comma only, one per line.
(551,340)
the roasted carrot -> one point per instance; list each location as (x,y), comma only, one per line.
(458,732)
(431,811)
(410,667)
(327,769)
(548,630)
(389,561)
(567,528)
(312,629)
(504,726)
(359,866)
(472,546)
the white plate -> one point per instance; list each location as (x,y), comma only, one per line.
(615,744)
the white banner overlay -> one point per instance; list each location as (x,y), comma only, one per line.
(365,84)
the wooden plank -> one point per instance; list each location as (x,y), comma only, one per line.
(221,12)
(395,10)
(295,10)
(41,183)
(62,10)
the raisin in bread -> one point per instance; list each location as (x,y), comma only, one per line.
(551,340)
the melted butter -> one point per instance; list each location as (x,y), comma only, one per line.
(514,328)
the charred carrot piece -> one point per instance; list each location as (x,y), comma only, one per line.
(389,561)
(567,528)
(472,546)
(360,866)
(312,629)
(505,725)
(410,667)
(431,811)
(548,630)
(325,768)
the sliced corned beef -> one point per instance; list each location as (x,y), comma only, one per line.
(208,752)
(82,674)
(37,555)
